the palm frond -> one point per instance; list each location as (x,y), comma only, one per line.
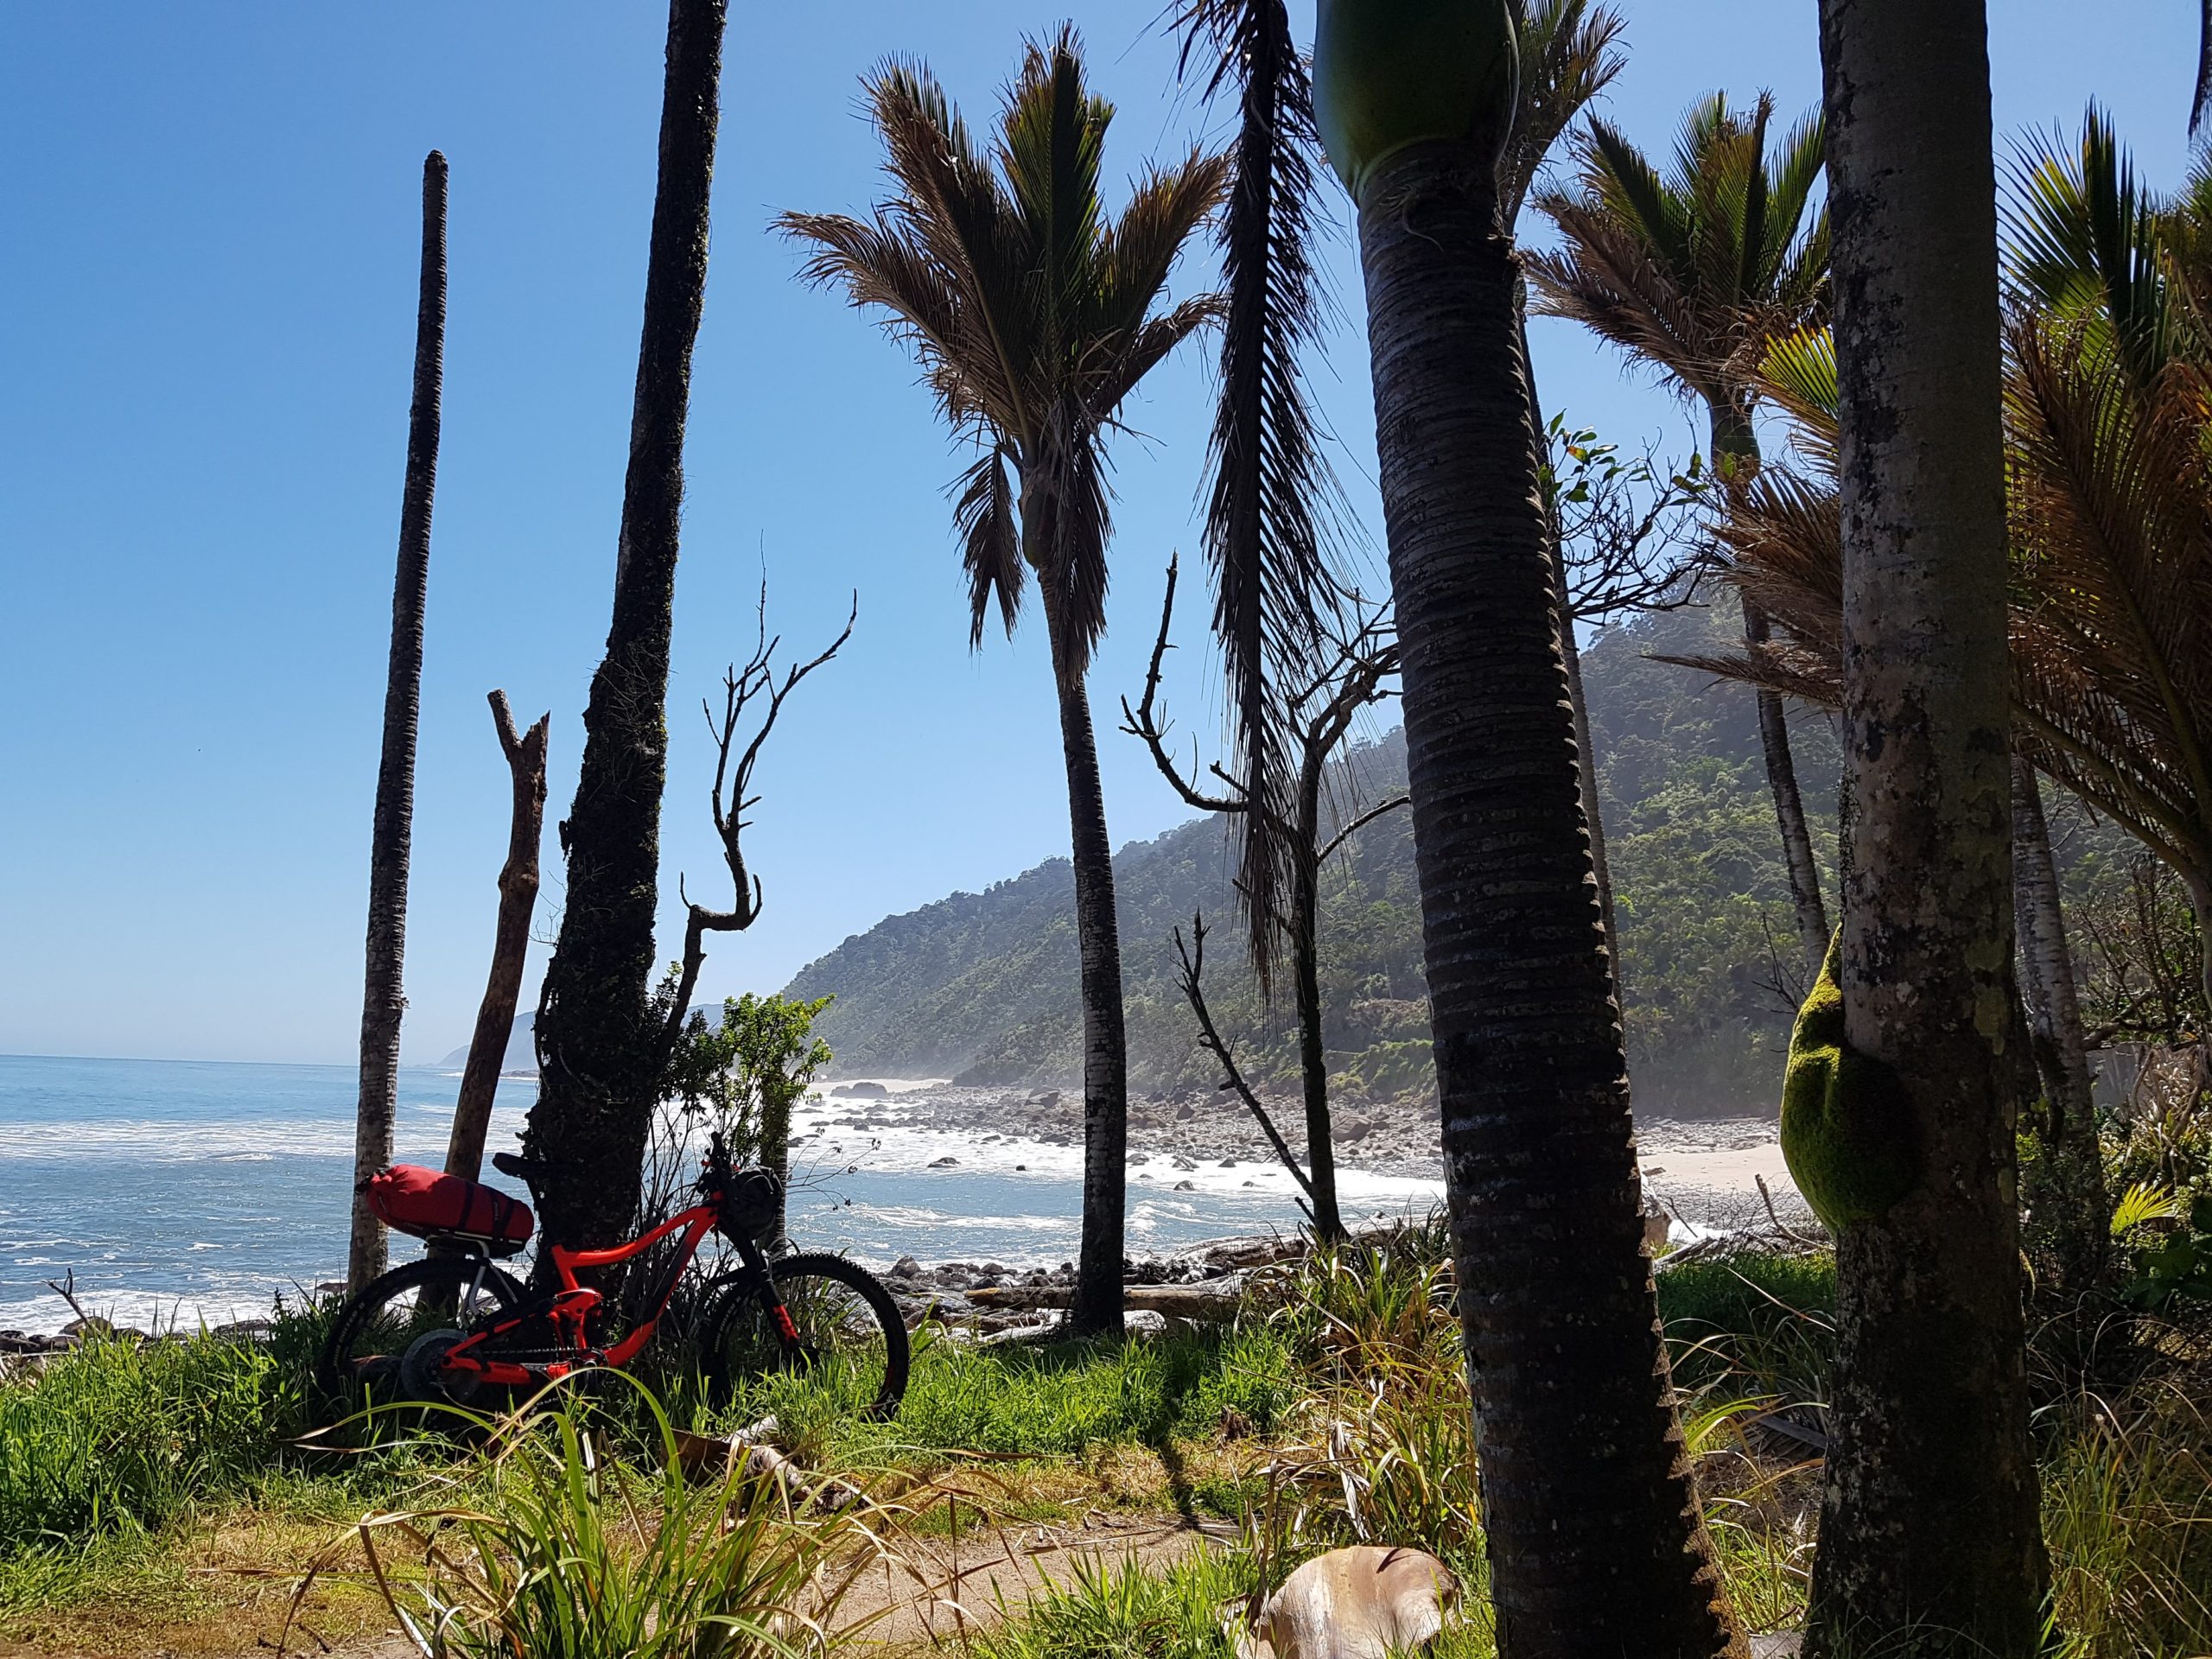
(990,543)
(1569,54)
(1696,270)
(1798,375)
(2086,243)
(1272,499)
(1031,309)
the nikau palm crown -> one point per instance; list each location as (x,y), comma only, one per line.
(1696,270)
(1034,314)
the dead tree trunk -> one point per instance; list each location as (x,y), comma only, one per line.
(601,1040)
(495,1018)
(383,997)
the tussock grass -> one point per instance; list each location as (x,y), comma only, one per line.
(563,1549)
(1120,1611)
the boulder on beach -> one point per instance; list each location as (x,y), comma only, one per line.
(861,1091)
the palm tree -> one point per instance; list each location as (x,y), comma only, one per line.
(1034,315)
(1693,271)
(1590,1507)
(1929,1540)
(2109,339)
(384,999)
(602,1043)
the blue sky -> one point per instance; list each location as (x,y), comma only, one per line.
(208,275)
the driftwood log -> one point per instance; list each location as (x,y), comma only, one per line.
(1217,1301)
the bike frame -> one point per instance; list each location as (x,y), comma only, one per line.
(571,1306)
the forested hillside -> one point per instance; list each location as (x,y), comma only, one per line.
(982,985)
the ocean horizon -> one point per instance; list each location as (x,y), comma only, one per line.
(189,1192)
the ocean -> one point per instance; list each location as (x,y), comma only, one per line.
(181,1192)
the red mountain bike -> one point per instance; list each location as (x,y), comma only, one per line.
(453,1325)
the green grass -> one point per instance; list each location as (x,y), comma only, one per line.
(1050,1400)
(117,1438)
(1119,1611)
(1759,1324)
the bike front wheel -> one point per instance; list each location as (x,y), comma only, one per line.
(366,1358)
(851,1340)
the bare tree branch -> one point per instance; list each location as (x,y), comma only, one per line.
(1144,721)
(1194,958)
(728,802)
(1360,823)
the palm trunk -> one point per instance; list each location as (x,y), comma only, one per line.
(1804,872)
(601,1041)
(2200,906)
(1585,757)
(1928,1535)
(2073,1167)
(383,997)
(1312,1055)
(1589,1510)
(495,1016)
(1097,1305)
(1736,457)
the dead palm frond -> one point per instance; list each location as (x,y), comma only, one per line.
(1033,312)
(1696,268)
(1273,498)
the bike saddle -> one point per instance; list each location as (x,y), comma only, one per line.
(522,1168)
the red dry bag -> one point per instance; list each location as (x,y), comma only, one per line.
(424,1202)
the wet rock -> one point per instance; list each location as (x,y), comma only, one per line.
(947,1162)
(905,1267)
(1185,1186)
(861,1091)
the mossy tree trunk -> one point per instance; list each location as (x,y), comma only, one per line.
(1596,1542)
(1928,1537)
(602,1043)
(384,999)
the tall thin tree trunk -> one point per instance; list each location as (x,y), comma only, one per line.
(495,1015)
(1736,458)
(1928,1537)
(1803,870)
(1097,1306)
(1312,1055)
(2073,1172)
(1585,758)
(383,998)
(1595,1539)
(2200,905)
(600,1042)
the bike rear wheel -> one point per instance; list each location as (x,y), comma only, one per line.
(851,1339)
(364,1359)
